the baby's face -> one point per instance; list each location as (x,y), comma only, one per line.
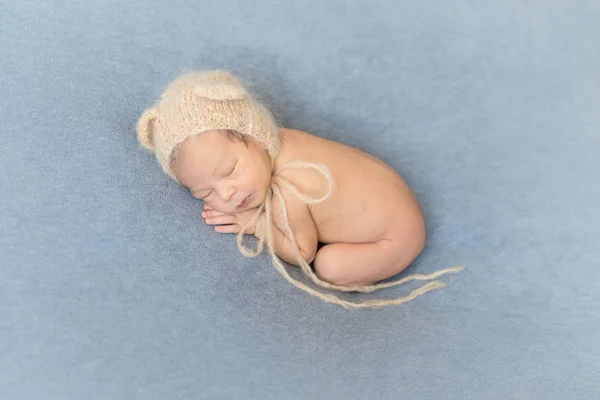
(227,174)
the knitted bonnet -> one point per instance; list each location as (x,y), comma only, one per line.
(200,101)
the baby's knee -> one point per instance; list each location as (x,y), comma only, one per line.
(330,268)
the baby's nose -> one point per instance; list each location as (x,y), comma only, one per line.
(230,193)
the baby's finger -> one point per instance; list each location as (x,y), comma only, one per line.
(227,228)
(212,213)
(221,220)
(207,207)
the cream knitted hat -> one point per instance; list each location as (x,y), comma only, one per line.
(200,101)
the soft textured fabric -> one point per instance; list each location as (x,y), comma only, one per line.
(111,286)
(200,101)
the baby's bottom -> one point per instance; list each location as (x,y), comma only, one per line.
(347,264)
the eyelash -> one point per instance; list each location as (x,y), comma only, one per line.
(234,167)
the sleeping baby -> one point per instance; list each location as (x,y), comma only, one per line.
(344,217)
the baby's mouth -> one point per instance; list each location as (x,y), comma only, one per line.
(244,202)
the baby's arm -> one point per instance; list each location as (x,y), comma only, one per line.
(302,225)
(299,218)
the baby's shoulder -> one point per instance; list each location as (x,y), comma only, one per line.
(294,136)
(298,144)
(299,148)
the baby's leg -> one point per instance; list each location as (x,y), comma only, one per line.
(347,264)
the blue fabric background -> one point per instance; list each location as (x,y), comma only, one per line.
(111,287)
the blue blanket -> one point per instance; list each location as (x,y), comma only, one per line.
(111,286)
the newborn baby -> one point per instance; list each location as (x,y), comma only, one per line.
(336,207)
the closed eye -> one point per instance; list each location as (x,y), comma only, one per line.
(206,196)
(233,169)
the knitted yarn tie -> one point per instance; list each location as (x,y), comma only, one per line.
(265,213)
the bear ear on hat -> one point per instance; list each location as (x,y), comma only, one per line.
(145,128)
(220,91)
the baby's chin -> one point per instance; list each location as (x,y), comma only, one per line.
(260,198)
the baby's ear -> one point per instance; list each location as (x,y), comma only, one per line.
(145,128)
(220,91)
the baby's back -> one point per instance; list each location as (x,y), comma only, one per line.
(370,201)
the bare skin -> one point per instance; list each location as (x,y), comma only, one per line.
(372,226)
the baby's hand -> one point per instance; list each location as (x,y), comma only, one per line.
(229,223)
